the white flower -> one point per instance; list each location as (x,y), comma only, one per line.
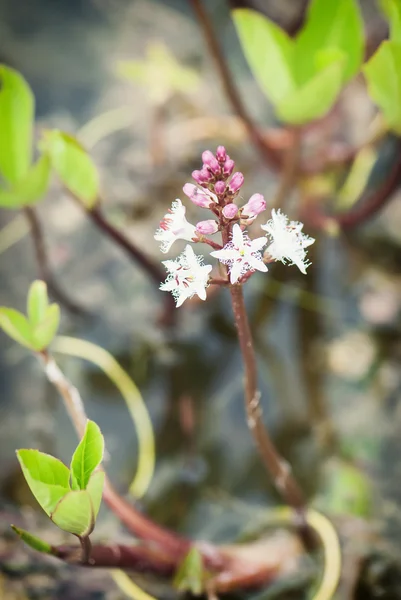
(187,276)
(241,254)
(174,226)
(287,242)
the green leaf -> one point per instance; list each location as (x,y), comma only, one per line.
(347,490)
(37,302)
(73,165)
(33,541)
(16,125)
(47,477)
(74,513)
(44,332)
(190,575)
(315,98)
(392,10)
(269,52)
(30,189)
(95,491)
(16,325)
(383,75)
(88,455)
(330,24)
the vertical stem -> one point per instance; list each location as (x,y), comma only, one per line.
(277,467)
(86,547)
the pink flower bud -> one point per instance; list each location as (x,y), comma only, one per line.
(207,227)
(221,154)
(228,167)
(219,187)
(198,196)
(255,205)
(230,211)
(236,182)
(209,160)
(202,176)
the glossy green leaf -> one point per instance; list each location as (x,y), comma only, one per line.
(37,302)
(16,325)
(33,541)
(88,455)
(16,125)
(95,490)
(73,165)
(330,24)
(31,189)
(392,10)
(44,332)
(315,98)
(47,477)
(190,575)
(383,75)
(269,52)
(74,513)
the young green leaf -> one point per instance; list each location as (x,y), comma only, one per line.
(88,455)
(74,513)
(33,541)
(383,75)
(16,325)
(392,10)
(190,575)
(269,52)
(16,125)
(315,98)
(44,332)
(47,477)
(31,189)
(73,165)
(95,490)
(37,302)
(330,24)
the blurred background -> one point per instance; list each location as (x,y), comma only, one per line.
(135,81)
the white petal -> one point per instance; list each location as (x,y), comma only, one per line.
(258,243)
(257,264)
(236,271)
(225,254)
(237,236)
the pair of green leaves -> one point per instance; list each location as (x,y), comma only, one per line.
(25,182)
(36,330)
(303,77)
(70,497)
(383,70)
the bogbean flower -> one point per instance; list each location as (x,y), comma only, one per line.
(241,254)
(187,276)
(174,226)
(287,242)
(255,205)
(199,196)
(207,227)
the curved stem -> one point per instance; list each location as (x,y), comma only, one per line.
(276,466)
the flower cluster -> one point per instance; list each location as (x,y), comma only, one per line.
(217,189)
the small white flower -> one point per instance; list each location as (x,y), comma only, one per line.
(174,226)
(287,242)
(187,276)
(241,254)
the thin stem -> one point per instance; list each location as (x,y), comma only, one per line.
(86,547)
(277,467)
(45,272)
(270,156)
(290,170)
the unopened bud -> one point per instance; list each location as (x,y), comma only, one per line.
(202,176)
(221,154)
(198,196)
(230,211)
(228,167)
(236,182)
(219,187)
(209,160)
(255,205)
(207,227)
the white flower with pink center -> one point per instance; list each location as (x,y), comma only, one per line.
(187,276)
(241,254)
(174,226)
(287,242)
